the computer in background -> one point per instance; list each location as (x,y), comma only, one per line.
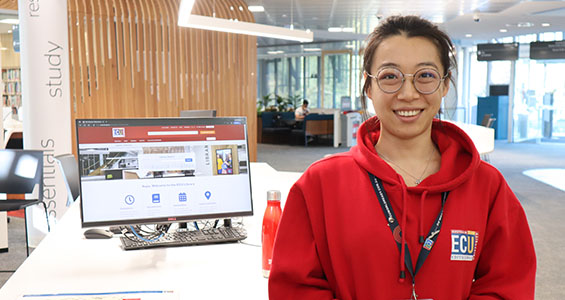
(161,171)
(209,113)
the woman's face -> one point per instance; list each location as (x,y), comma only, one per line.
(406,113)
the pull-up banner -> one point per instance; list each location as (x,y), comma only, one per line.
(547,50)
(45,101)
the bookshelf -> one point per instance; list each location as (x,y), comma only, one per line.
(12,93)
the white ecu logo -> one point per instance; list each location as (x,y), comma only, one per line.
(464,244)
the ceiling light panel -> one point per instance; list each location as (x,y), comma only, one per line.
(187,19)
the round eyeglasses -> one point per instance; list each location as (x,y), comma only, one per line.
(425,81)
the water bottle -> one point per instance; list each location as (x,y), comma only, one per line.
(270,224)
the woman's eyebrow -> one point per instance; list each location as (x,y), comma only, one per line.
(427,64)
(422,64)
(388,64)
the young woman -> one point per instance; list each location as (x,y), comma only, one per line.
(411,212)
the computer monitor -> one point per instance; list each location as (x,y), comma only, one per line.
(151,171)
(198,113)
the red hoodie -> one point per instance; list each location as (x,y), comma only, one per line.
(334,243)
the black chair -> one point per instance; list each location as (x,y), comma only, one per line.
(69,168)
(21,172)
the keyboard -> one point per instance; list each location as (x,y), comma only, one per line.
(188,238)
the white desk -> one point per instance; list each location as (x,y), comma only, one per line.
(337,122)
(67,262)
(482,137)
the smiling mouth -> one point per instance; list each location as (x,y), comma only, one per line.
(408,113)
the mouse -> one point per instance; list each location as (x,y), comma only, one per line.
(97,233)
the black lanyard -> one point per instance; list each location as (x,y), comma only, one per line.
(395,228)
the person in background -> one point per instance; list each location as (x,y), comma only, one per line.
(15,115)
(411,212)
(219,163)
(302,111)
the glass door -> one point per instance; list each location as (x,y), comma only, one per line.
(553,103)
(336,83)
(539,102)
(312,80)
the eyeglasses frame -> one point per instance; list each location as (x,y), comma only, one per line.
(404,79)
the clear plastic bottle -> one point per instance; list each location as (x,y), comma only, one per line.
(270,224)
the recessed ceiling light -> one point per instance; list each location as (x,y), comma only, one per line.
(9,31)
(503,30)
(525,24)
(350,46)
(3,49)
(256,8)
(468,35)
(312,49)
(545,24)
(10,21)
(275,52)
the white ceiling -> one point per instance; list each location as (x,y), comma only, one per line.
(455,16)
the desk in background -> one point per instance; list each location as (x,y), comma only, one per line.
(482,137)
(67,262)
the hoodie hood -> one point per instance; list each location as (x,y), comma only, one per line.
(459,156)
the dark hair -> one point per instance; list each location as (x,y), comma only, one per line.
(411,26)
(305,102)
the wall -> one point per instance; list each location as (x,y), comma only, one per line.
(130,59)
(9,58)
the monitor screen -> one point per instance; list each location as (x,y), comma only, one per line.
(146,171)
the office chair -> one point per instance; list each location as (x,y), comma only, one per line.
(486,119)
(68,166)
(20,172)
(489,123)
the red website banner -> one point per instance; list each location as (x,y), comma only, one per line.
(144,134)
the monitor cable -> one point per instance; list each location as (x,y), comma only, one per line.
(144,239)
(151,236)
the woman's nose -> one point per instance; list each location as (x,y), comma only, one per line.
(408,91)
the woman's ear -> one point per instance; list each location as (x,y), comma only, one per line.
(365,78)
(446,85)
